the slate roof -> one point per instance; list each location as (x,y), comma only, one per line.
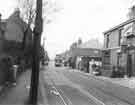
(93,43)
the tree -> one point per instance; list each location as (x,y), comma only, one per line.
(38,29)
(73,45)
(41,52)
(79,41)
(28,10)
(34,17)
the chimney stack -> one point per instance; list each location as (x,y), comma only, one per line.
(131,13)
(0,17)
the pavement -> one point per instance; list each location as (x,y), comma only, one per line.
(16,94)
(63,86)
(19,94)
(125,82)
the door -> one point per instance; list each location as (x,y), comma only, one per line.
(129,65)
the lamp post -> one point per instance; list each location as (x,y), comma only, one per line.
(33,95)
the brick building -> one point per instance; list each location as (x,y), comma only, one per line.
(119,48)
(89,51)
(12,42)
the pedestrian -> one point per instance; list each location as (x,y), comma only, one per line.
(94,66)
(70,64)
(87,66)
(7,66)
(12,70)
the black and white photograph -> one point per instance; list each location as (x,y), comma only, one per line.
(67,52)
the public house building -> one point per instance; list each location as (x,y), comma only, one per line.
(119,48)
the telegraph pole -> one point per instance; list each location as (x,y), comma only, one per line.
(33,94)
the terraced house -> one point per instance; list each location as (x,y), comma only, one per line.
(119,48)
(15,41)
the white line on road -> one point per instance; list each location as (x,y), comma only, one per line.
(69,102)
(97,101)
(88,94)
(91,96)
(58,93)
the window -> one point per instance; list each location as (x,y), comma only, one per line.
(106,57)
(120,37)
(118,59)
(107,41)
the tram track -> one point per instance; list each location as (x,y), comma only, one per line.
(66,100)
(57,91)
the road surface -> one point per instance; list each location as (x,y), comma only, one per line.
(64,86)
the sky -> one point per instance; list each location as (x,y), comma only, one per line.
(78,18)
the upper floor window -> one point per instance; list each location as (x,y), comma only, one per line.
(107,41)
(120,37)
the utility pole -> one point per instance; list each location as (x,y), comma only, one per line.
(44,42)
(33,94)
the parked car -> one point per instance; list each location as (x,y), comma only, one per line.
(45,62)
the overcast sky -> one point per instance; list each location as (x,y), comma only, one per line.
(78,18)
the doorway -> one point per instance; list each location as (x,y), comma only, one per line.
(129,65)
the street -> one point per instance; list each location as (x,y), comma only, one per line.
(65,86)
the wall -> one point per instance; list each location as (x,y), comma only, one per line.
(113,46)
(114,38)
(2,70)
(133,63)
(113,57)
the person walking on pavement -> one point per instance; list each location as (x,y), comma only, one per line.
(12,70)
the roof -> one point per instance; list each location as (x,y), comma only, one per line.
(120,25)
(3,25)
(93,43)
(15,28)
(91,52)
